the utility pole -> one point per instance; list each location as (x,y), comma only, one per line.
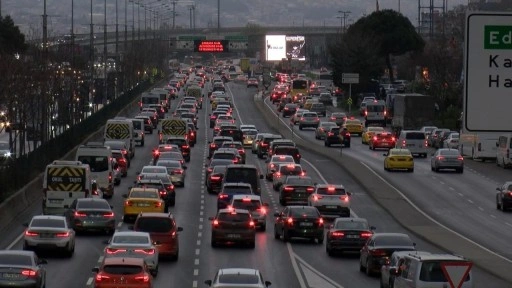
(133,22)
(125,26)
(145,23)
(91,52)
(193,16)
(344,15)
(173,15)
(105,52)
(218,17)
(72,33)
(44,114)
(116,62)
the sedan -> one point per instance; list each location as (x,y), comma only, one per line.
(331,200)
(299,221)
(338,118)
(233,226)
(91,214)
(289,109)
(504,196)
(369,132)
(323,127)
(347,234)
(238,277)
(51,232)
(295,118)
(447,158)
(131,272)
(397,158)
(273,164)
(384,140)
(133,244)
(175,169)
(296,190)
(309,119)
(21,269)
(379,248)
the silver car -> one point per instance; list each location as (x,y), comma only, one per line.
(238,277)
(447,158)
(249,135)
(253,204)
(274,162)
(133,244)
(331,200)
(49,232)
(283,171)
(322,129)
(309,119)
(175,169)
(256,140)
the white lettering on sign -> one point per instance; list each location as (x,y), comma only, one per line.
(67,179)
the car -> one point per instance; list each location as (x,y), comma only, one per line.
(354,126)
(182,143)
(227,153)
(214,179)
(309,119)
(175,169)
(175,155)
(235,145)
(142,200)
(288,150)
(216,143)
(238,277)
(22,269)
(248,126)
(347,234)
(122,161)
(338,118)
(49,232)
(321,130)
(243,173)
(276,143)
(214,115)
(384,140)
(443,136)
(318,108)
(296,190)
(504,196)
(398,158)
(332,136)
(133,244)
(369,132)
(192,134)
(428,133)
(435,137)
(191,117)
(452,141)
(447,158)
(256,141)
(230,131)
(253,204)
(248,136)
(233,225)
(295,118)
(289,109)
(325,98)
(344,137)
(132,272)
(228,190)
(148,124)
(119,145)
(299,221)
(379,247)
(283,171)
(330,200)
(163,231)
(163,183)
(264,144)
(415,141)
(252,82)
(273,163)
(91,214)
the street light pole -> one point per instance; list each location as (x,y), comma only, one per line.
(125,26)
(117,31)
(173,15)
(105,97)
(72,33)
(145,23)
(218,17)
(138,21)
(91,52)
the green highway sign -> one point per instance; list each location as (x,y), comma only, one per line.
(498,37)
(191,37)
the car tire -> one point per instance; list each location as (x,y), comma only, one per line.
(300,127)
(361,267)
(327,144)
(498,206)
(410,170)
(368,268)
(461,170)
(142,144)
(252,244)
(155,272)
(69,250)
(347,145)
(320,240)
(175,256)
(213,244)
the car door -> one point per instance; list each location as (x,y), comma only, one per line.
(364,250)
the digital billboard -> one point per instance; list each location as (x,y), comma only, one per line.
(211,46)
(295,47)
(275,47)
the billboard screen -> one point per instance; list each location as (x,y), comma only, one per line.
(211,46)
(295,47)
(275,47)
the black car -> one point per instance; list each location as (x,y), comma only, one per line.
(91,214)
(215,178)
(288,150)
(299,221)
(347,234)
(166,190)
(289,109)
(380,247)
(332,136)
(296,190)
(233,226)
(213,117)
(236,134)
(216,143)
(182,143)
(21,269)
(265,144)
(283,102)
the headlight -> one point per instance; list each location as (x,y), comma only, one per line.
(7,154)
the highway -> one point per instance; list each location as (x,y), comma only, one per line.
(296,264)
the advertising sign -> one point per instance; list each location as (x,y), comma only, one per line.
(488,72)
(211,46)
(295,47)
(275,47)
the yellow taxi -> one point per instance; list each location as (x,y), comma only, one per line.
(397,158)
(369,132)
(354,126)
(309,103)
(142,200)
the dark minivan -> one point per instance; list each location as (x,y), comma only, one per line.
(242,173)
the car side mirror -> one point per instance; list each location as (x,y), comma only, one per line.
(42,262)
(180,229)
(331,226)
(314,184)
(268,283)
(373,228)
(211,218)
(25,224)
(266,204)
(497,144)
(208,157)
(184,167)
(276,214)
(107,241)
(95,269)
(267,160)
(208,282)
(111,207)
(498,189)
(349,193)
(125,195)
(393,271)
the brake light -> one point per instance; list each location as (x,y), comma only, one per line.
(426,143)
(330,134)
(378,252)
(366,234)
(289,221)
(288,189)
(28,273)
(215,178)
(374,138)
(163,193)
(333,118)
(213,145)
(62,235)
(394,139)
(223,196)
(321,221)
(158,204)
(403,143)
(184,147)
(108,214)
(440,157)
(80,214)
(100,276)
(109,177)
(177,171)
(301,118)
(169,187)
(277,174)
(145,251)
(144,278)
(246,200)
(337,234)
(365,113)
(251,224)
(114,250)
(128,203)
(263,210)
(344,198)
(310,189)
(460,158)
(317,197)
(31,234)
(124,152)
(385,112)
(215,222)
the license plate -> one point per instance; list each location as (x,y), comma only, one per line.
(143,205)
(55,201)
(331,207)
(46,235)
(352,236)
(306,224)
(233,236)
(10,275)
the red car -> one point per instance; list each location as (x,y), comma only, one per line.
(121,161)
(382,140)
(131,272)
(163,230)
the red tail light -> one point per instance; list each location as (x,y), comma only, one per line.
(62,235)
(317,197)
(251,224)
(158,204)
(365,113)
(223,196)
(337,234)
(169,187)
(80,214)
(333,118)
(277,174)
(366,234)
(460,158)
(344,198)
(163,193)
(124,152)
(29,273)
(145,251)
(114,250)
(374,138)
(440,157)
(128,203)
(31,234)
(184,147)
(426,143)
(321,221)
(310,189)
(215,178)
(177,172)
(109,215)
(215,222)
(100,276)
(348,134)
(289,221)
(144,278)
(109,177)
(378,252)
(330,134)
(263,210)
(288,189)
(403,143)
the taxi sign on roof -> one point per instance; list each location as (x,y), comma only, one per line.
(456,272)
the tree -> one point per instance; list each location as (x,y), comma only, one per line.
(12,41)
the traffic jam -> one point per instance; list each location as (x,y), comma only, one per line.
(240,165)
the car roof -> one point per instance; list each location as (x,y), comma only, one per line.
(156,214)
(143,189)
(123,260)
(130,233)
(350,219)
(52,217)
(246,271)
(337,186)
(252,197)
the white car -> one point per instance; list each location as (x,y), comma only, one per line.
(48,231)
(253,204)
(248,127)
(331,200)
(283,171)
(238,277)
(274,162)
(452,141)
(133,244)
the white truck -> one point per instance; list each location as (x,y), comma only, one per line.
(121,129)
(99,159)
(63,183)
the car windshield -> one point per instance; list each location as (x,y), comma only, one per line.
(137,125)
(304,212)
(15,260)
(248,204)
(351,225)
(153,170)
(450,152)
(393,240)
(290,170)
(238,279)
(233,217)
(154,224)
(299,181)
(96,163)
(144,194)
(53,223)
(123,269)
(130,239)
(93,205)
(330,191)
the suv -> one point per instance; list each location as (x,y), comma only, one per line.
(278,143)
(415,141)
(226,153)
(325,99)
(309,119)
(243,173)
(424,269)
(296,190)
(264,144)
(331,200)
(283,171)
(256,141)
(253,204)
(233,225)
(163,230)
(182,143)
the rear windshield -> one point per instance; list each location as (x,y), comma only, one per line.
(385,136)
(130,239)
(331,191)
(290,170)
(122,269)
(96,163)
(237,190)
(244,175)
(219,169)
(431,271)
(151,100)
(15,260)
(449,152)
(375,108)
(137,125)
(304,212)
(234,217)
(299,181)
(286,150)
(238,279)
(224,155)
(393,241)
(54,223)
(154,224)
(178,142)
(144,194)
(415,136)
(93,205)
(248,205)
(351,225)
(149,185)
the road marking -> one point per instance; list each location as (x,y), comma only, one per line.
(119,224)
(508,224)
(18,239)
(196,261)
(101,259)
(89,281)
(460,194)
(198,243)
(194,283)
(492,216)
(480,208)
(295,266)
(434,220)
(314,277)
(451,188)
(442,183)
(196,272)
(470,201)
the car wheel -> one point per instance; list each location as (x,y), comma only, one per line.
(327,144)
(213,243)
(300,127)
(70,250)
(142,144)
(263,228)
(498,205)
(155,272)
(461,170)
(368,268)
(410,170)
(252,244)
(432,168)
(276,235)
(361,267)
(347,145)
(175,256)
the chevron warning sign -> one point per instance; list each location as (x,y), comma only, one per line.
(117,131)
(174,127)
(66,179)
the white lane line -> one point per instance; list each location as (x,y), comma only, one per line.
(119,224)
(194,284)
(234,104)
(318,273)
(480,208)
(451,188)
(198,251)
(196,272)
(470,201)
(492,216)
(89,281)
(460,194)
(196,261)
(18,239)
(199,234)
(508,224)
(198,242)
(295,266)
(100,259)
(434,220)
(442,183)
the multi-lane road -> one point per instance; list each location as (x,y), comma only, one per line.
(296,264)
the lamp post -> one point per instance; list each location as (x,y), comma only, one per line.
(105,51)
(218,17)
(72,34)
(91,52)
(125,26)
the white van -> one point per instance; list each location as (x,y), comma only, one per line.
(375,112)
(415,141)
(99,158)
(425,270)
(138,129)
(121,129)
(147,99)
(504,147)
